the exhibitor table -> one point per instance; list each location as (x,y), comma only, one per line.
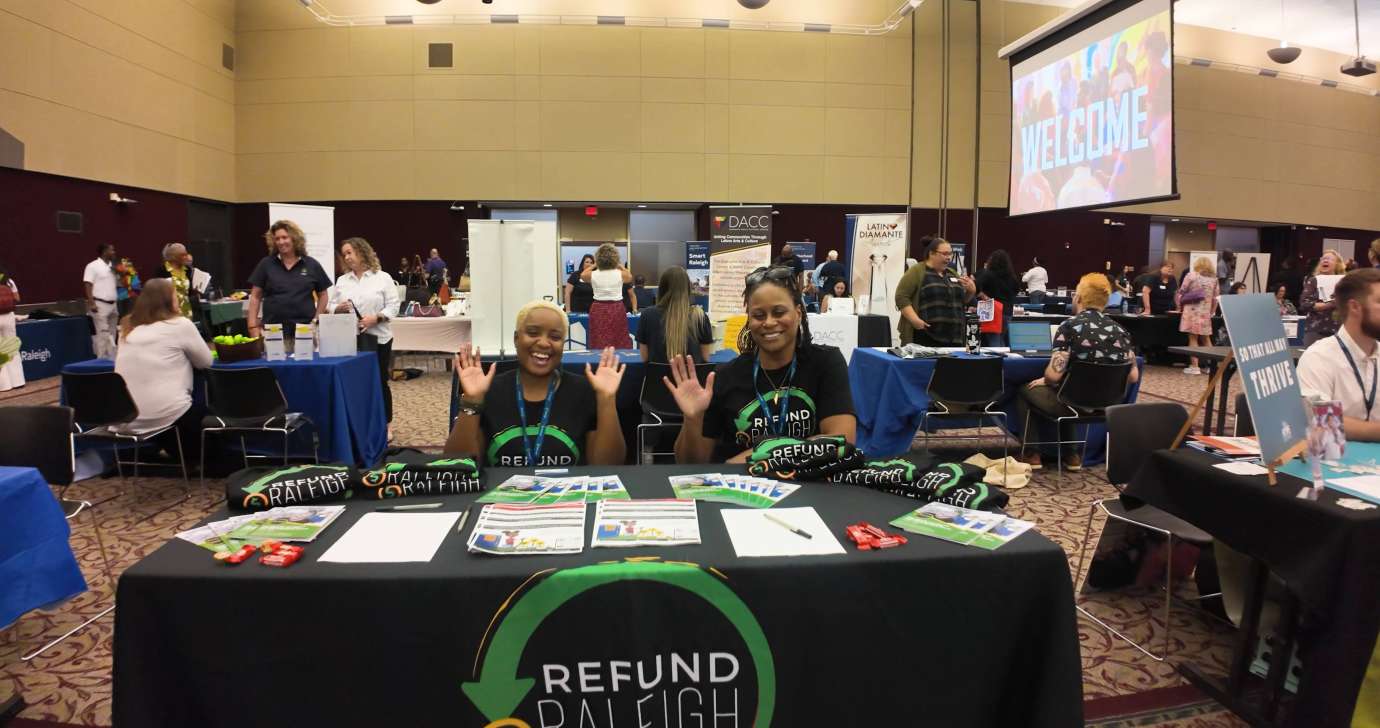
(342,396)
(927,634)
(1326,554)
(37,567)
(890,398)
(47,345)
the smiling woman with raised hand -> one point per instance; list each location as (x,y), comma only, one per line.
(535,415)
(782,385)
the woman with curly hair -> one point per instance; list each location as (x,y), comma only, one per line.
(370,293)
(289,286)
(608,320)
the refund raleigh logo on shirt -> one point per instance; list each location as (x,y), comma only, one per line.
(752,425)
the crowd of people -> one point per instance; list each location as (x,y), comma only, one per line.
(149,326)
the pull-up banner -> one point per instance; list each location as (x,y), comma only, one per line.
(740,242)
(878,245)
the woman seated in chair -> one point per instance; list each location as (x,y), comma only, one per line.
(159,347)
(535,415)
(782,385)
(1089,336)
(674,326)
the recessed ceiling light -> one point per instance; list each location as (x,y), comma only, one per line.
(1173,219)
(546,205)
(641,205)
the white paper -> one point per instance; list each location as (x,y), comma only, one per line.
(1242,467)
(840,306)
(754,535)
(339,334)
(1326,284)
(1362,486)
(392,538)
(655,522)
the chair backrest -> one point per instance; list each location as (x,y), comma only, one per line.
(250,392)
(1244,426)
(655,396)
(1136,430)
(99,398)
(504,365)
(966,380)
(1092,386)
(39,437)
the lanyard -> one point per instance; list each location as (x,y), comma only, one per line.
(534,453)
(775,423)
(1369,399)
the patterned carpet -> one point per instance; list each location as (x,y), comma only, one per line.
(71,682)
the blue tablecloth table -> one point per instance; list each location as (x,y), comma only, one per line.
(37,566)
(47,345)
(342,396)
(890,398)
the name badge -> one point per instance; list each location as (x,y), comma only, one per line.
(1161,286)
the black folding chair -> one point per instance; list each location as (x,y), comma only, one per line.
(249,401)
(42,438)
(102,403)
(1133,432)
(1085,392)
(966,387)
(659,408)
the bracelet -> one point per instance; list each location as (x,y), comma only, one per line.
(470,408)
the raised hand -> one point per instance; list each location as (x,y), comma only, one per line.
(606,378)
(691,397)
(474,381)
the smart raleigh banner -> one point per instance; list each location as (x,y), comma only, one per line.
(878,246)
(740,242)
(697,267)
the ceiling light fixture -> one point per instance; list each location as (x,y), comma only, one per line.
(1284,53)
(753,4)
(1358,66)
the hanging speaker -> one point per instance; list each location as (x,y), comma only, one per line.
(753,4)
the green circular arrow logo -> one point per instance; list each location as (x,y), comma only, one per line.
(499,691)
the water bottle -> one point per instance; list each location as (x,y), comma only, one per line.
(973,335)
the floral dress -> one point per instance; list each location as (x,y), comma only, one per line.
(1197,317)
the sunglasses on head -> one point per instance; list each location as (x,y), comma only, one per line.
(779,273)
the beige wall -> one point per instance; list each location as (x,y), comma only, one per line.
(572,113)
(133,92)
(130,92)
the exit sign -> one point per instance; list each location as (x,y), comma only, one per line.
(592,211)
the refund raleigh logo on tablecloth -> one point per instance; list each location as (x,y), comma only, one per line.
(594,682)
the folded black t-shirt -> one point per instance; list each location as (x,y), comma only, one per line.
(818,390)
(573,417)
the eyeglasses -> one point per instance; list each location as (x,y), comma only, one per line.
(780,273)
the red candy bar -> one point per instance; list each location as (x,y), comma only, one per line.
(280,560)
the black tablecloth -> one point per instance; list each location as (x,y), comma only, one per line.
(1328,555)
(928,634)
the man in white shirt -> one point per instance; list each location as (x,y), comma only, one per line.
(1346,367)
(1035,281)
(99,281)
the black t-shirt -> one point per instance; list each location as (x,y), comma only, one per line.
(573,417)
(819,389)
(652,333)
(793,262)
(287,293)
(1000,287)
(581,293)
(831,269)
(1161,292)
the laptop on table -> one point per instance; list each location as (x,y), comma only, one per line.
(1030,337)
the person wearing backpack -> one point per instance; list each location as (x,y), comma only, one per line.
(1197,299)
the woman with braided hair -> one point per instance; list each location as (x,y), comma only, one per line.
(781,385)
